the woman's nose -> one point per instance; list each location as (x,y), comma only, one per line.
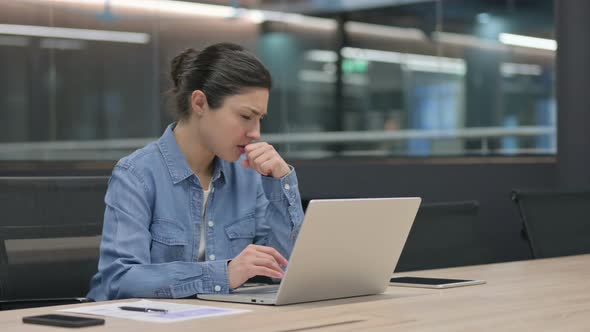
(254,133)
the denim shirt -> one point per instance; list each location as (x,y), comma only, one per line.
(153,216)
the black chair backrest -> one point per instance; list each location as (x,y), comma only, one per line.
(443,235)
(50,231)
(556,223)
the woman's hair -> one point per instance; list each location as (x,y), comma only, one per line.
(219,71)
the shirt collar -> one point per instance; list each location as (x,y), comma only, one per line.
(176,161)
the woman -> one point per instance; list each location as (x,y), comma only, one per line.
(206,207)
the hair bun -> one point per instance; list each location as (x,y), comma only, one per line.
(178,64)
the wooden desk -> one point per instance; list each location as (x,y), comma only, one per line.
(549,294)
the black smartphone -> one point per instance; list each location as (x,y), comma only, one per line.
(432,282)
(63,320)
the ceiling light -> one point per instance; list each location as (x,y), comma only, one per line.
(526,41)
(175,7)
(70,33)
(384,31)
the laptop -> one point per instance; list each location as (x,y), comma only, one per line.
(345,248)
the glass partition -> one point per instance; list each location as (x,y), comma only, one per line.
(87,80)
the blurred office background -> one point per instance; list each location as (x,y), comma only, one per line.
(446,99)
(352,78)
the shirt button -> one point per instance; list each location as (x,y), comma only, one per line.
(211,257)
(287,186)
(217,288)
(210,223)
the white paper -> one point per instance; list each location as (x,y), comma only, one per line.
(176,312)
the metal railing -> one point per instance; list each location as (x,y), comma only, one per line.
(113,149)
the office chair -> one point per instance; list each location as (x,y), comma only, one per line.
(443,235)
(556,223)
(50,231)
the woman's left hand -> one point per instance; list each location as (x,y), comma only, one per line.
(264,159)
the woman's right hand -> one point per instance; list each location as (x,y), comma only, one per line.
(255,260)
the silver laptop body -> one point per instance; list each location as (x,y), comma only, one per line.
(346,247)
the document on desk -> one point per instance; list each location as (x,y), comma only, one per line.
(156,311)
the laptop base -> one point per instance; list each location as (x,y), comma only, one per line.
(252,295)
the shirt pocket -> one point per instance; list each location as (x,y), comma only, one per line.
(241,233)
(169,243)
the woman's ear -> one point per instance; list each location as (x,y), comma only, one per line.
(198,102)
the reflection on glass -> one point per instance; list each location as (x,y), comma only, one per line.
(86,80)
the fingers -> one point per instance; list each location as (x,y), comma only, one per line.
(255,260)
(268,263)
(261,159)
(264,159)
(267,166)
(254,150)
(259,154)
(264,271)
(272,252)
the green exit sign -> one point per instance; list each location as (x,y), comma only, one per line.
(352,66)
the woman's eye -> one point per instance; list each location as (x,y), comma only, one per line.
(247,117)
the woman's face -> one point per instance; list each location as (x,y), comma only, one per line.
(225,131)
